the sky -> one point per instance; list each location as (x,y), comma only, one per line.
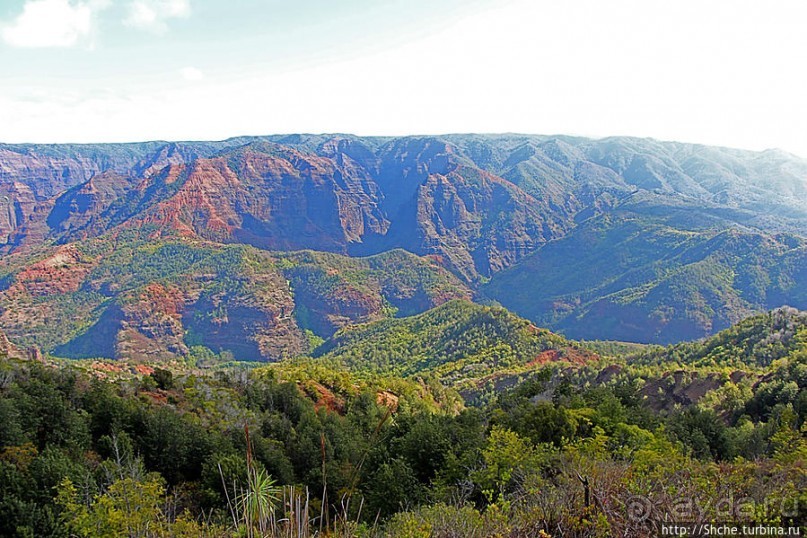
(719,72)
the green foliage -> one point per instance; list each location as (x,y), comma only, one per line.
(459,342)
(756,341)
(133,507)
(129,507)
(370,452)
(630,275)
(256,503)
(163,378)
(507,458)
(438,520)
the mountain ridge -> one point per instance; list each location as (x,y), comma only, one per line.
(486,207)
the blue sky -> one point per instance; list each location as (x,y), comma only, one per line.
(724,72)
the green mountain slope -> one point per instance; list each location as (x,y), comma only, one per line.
(460,342)
(755,342)
(636,278)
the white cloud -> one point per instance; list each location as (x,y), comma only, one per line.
(151,15)
(51,23)
(579,67)
(191,73)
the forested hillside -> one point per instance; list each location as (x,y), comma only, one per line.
(325,447)
(469,347)
(633,278)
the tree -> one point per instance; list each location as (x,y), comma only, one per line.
(163,378)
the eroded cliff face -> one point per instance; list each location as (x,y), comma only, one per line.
(33,177)
(151,323)
(503,208)
(77,208)
(7,349)
(345,197)
(18,204)
(45,175)
(278,198)
(478,222)
(118,297)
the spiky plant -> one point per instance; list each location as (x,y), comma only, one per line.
(257,502)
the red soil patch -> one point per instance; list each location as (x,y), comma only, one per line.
(324,398)
(387,399)
(156,397)
(142,369)
(545,357)
(569,354)
(156,297)
(61,272)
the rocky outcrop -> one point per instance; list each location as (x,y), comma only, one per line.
(18,204)
(151,324)
(9,350)
(61,272)
(253,322)
(74,210)
(331,292)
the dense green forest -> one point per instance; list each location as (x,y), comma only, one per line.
(459,341)
(610,447)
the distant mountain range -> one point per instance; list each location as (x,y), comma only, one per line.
(259,246)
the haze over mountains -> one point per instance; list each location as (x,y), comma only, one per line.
(110,250)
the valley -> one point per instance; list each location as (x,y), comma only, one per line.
(612,239)
(467,335)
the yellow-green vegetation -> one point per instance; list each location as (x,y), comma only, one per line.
(331,384)
(314,448)
(757,341)
(459,342)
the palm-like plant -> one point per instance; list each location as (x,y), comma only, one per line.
(257,502)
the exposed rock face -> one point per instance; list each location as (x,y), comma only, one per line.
(330,293)
(46,175)
(33,177)
(61,272)
(17,204)
(479,222)
(257,322)
(614,238)
(7,349)
(278,198)
(151,324)
(344,197)
(76,208)
(109,298)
